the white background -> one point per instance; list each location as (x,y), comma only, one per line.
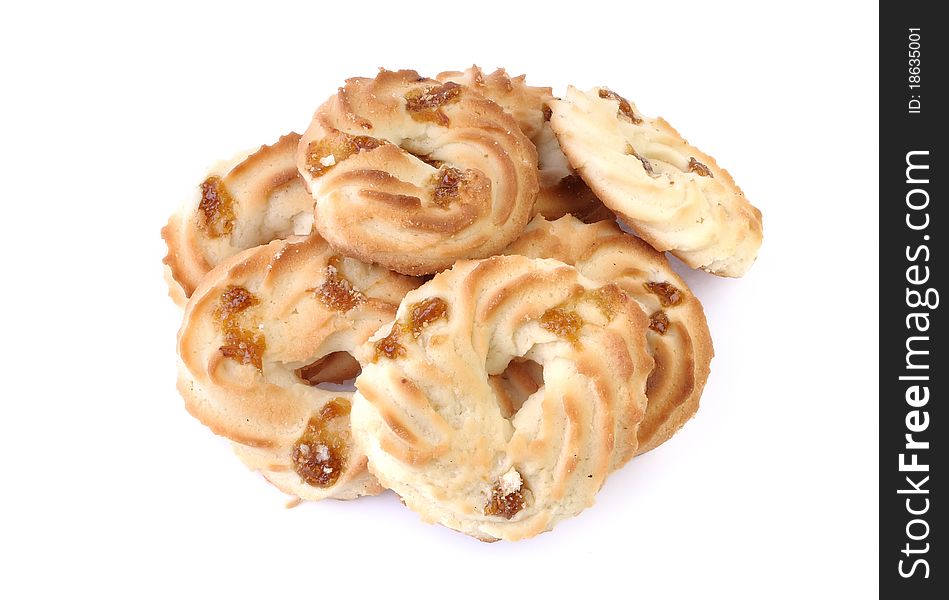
(110,115)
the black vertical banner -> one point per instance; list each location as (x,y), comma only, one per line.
(914,370)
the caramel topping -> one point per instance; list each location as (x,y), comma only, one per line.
(240,344)
(336,292)
(504,505)
(319,456)
(216,208)
(646,164)
(448,182)
(659,322)
(547,113)
(563,323)
(625,108)
(324,154)
(698,168)
(426,105)
(389,346)
(669,295)
(425,312)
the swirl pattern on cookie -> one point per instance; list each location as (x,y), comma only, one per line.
(250,200)
(673,195)
(259,331)
(561,191)
(438,430)
(414,174)
(678,335)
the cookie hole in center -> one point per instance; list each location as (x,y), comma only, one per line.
(428,159)
(515,384)
(335,372)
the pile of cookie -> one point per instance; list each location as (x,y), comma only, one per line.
(429,291)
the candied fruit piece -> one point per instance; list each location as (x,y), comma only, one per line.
(324,154)
(216,208)
(507,497)
(240,344)
(338,407)
(447,185)
(421,314)
(337,292)
(244,346)
(625,108)
(389,346)
(668,294)
(563,323)
(607,298)
(698,168)
(319,456)
(505,506)
(426,104)
(659,322)
(234,299)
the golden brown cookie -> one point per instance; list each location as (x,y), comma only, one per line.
(414,174)
(678,335)
(261,329)
(673,195)
(437,431)
(561,191)
(250,200)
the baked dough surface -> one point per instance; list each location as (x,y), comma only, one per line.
(435,429)
(414,174)
(672,194)
(251,339)
(678,335)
